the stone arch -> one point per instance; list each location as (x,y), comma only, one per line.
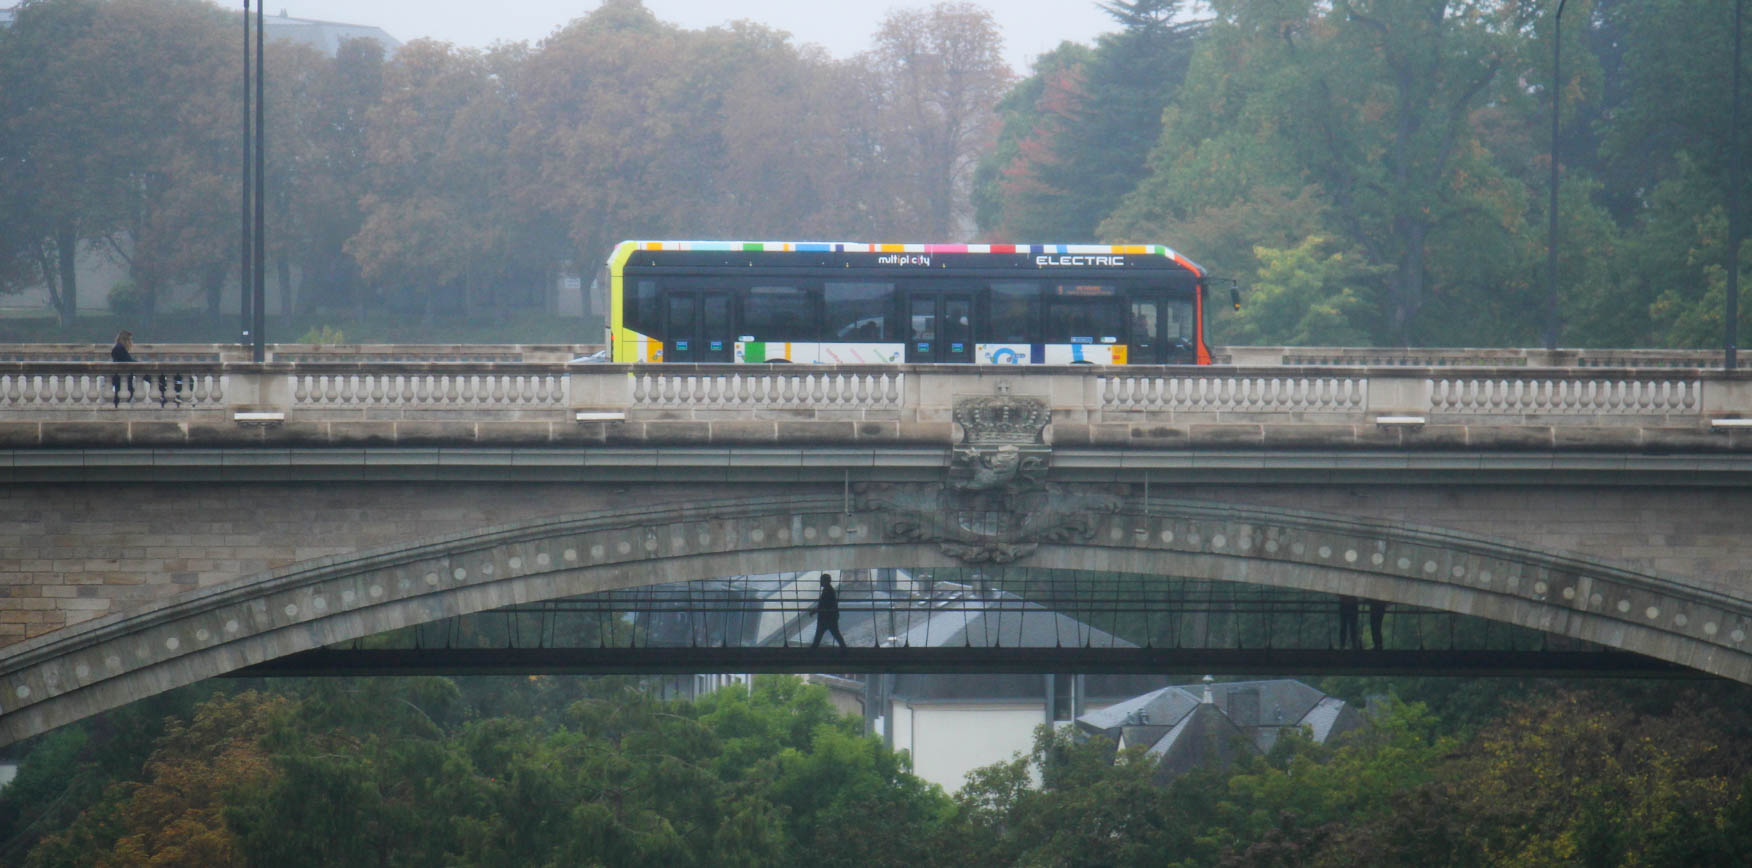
(65,676)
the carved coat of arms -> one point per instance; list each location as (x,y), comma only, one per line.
(997,505)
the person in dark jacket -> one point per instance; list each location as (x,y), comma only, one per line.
(1347,622)
(826,611)
(123,351)
(1377,615)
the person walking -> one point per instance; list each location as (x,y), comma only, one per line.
(826,611)
(123,351)
(1377,615)
(1347,623)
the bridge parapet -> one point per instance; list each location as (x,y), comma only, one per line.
(1491,357)
(73,404)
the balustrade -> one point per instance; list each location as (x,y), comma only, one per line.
(74,389)
(429,388)
(768,388)
(1608,394)
(549,398)
(1235,394)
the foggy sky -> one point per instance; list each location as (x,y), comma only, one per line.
(1030,27)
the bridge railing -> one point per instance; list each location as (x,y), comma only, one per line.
(1447,357)
(1244,356)
(48,403)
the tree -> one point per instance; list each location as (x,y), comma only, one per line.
(47,188)
(1092,123)
(1377,106)
(435,219)
(940,70)
(175,816)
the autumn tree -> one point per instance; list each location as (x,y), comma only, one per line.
(941,72)
(120,135)
(176,814)
(46,187)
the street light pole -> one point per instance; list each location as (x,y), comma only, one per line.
(245,270)
(1732,314)
(1551,231)
(259,351)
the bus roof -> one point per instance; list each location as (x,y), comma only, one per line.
(861,247)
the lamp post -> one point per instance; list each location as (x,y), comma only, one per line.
(1732,314)
(1551,230)
(259,351)
(245,271)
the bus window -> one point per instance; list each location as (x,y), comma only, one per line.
(777,313)
(858,311)
(1179,321)
(1144,330)
(643,313)
(924,319)
(1084,322)
(679,327)
(957,322)
(1012,311)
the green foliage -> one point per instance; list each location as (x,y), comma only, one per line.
(597,771)
(324,334)
(1306,296)
(125,299)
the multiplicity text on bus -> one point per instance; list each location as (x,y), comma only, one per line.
(845,303)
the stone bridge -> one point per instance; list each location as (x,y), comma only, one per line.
(291,505)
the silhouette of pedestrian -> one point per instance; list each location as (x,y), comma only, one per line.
(826,611)
(123,351)
(1347,623)
(1377,614)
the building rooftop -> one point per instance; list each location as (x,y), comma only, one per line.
(1195,725)
(325,36)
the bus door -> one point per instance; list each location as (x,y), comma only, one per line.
(698,327)
(1160,331)
(939,326)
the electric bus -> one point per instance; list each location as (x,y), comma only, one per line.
(850,303)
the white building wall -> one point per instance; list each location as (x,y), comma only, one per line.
(948,740)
